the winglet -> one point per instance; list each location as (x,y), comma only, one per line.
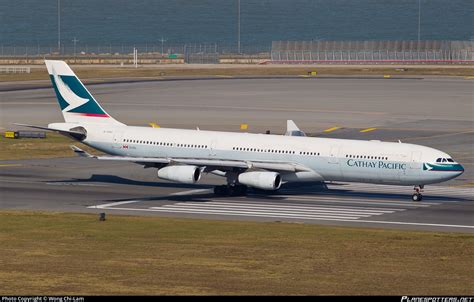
(81,152)
(291,126)
(292,129)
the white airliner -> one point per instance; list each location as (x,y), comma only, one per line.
(260,161)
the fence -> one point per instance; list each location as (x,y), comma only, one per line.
(150,49)
(15,69)
(290,52)
(372,51)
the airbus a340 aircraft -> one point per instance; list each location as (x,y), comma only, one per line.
(246,160)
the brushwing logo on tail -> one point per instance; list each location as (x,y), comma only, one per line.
(68,95)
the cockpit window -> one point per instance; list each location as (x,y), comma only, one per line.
(445,160)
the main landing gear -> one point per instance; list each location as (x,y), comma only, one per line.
(417,196)
(230,190)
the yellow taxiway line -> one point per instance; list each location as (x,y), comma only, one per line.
(368,130)
(331,129)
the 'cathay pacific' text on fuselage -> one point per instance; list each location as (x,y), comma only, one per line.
(376,164)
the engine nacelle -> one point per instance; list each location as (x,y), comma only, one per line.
(182,174)
(261,180)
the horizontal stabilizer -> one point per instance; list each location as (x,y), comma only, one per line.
(81,152)
(79,135)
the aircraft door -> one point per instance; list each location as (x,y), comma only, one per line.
(117,140)
(212,148)
(415,161)
(333,155)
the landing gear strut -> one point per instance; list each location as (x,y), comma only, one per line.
(230,190)
(417,196)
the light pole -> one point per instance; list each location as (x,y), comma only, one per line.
(59,26)
(419,19)
(238,26)
(162,44)
(75,41)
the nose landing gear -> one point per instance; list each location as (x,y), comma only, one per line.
(417,196)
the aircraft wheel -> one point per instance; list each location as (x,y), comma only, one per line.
(417,197)
(238,190)
(221,190)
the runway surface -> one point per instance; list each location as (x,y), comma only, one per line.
(432,112)
(86,185)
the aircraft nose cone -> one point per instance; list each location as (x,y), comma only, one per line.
(461,170)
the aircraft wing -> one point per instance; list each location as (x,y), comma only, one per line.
(209,163)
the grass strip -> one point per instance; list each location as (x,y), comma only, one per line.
(76,254)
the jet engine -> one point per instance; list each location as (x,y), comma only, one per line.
(261,180)
(182,174)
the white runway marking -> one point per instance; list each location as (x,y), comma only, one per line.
(308,218)
(253,212)
(112,204)
(428,191)
(267,209)
(322,207)
(274,209)
(293,206)
(191,192)
(344,200)
(75,184)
